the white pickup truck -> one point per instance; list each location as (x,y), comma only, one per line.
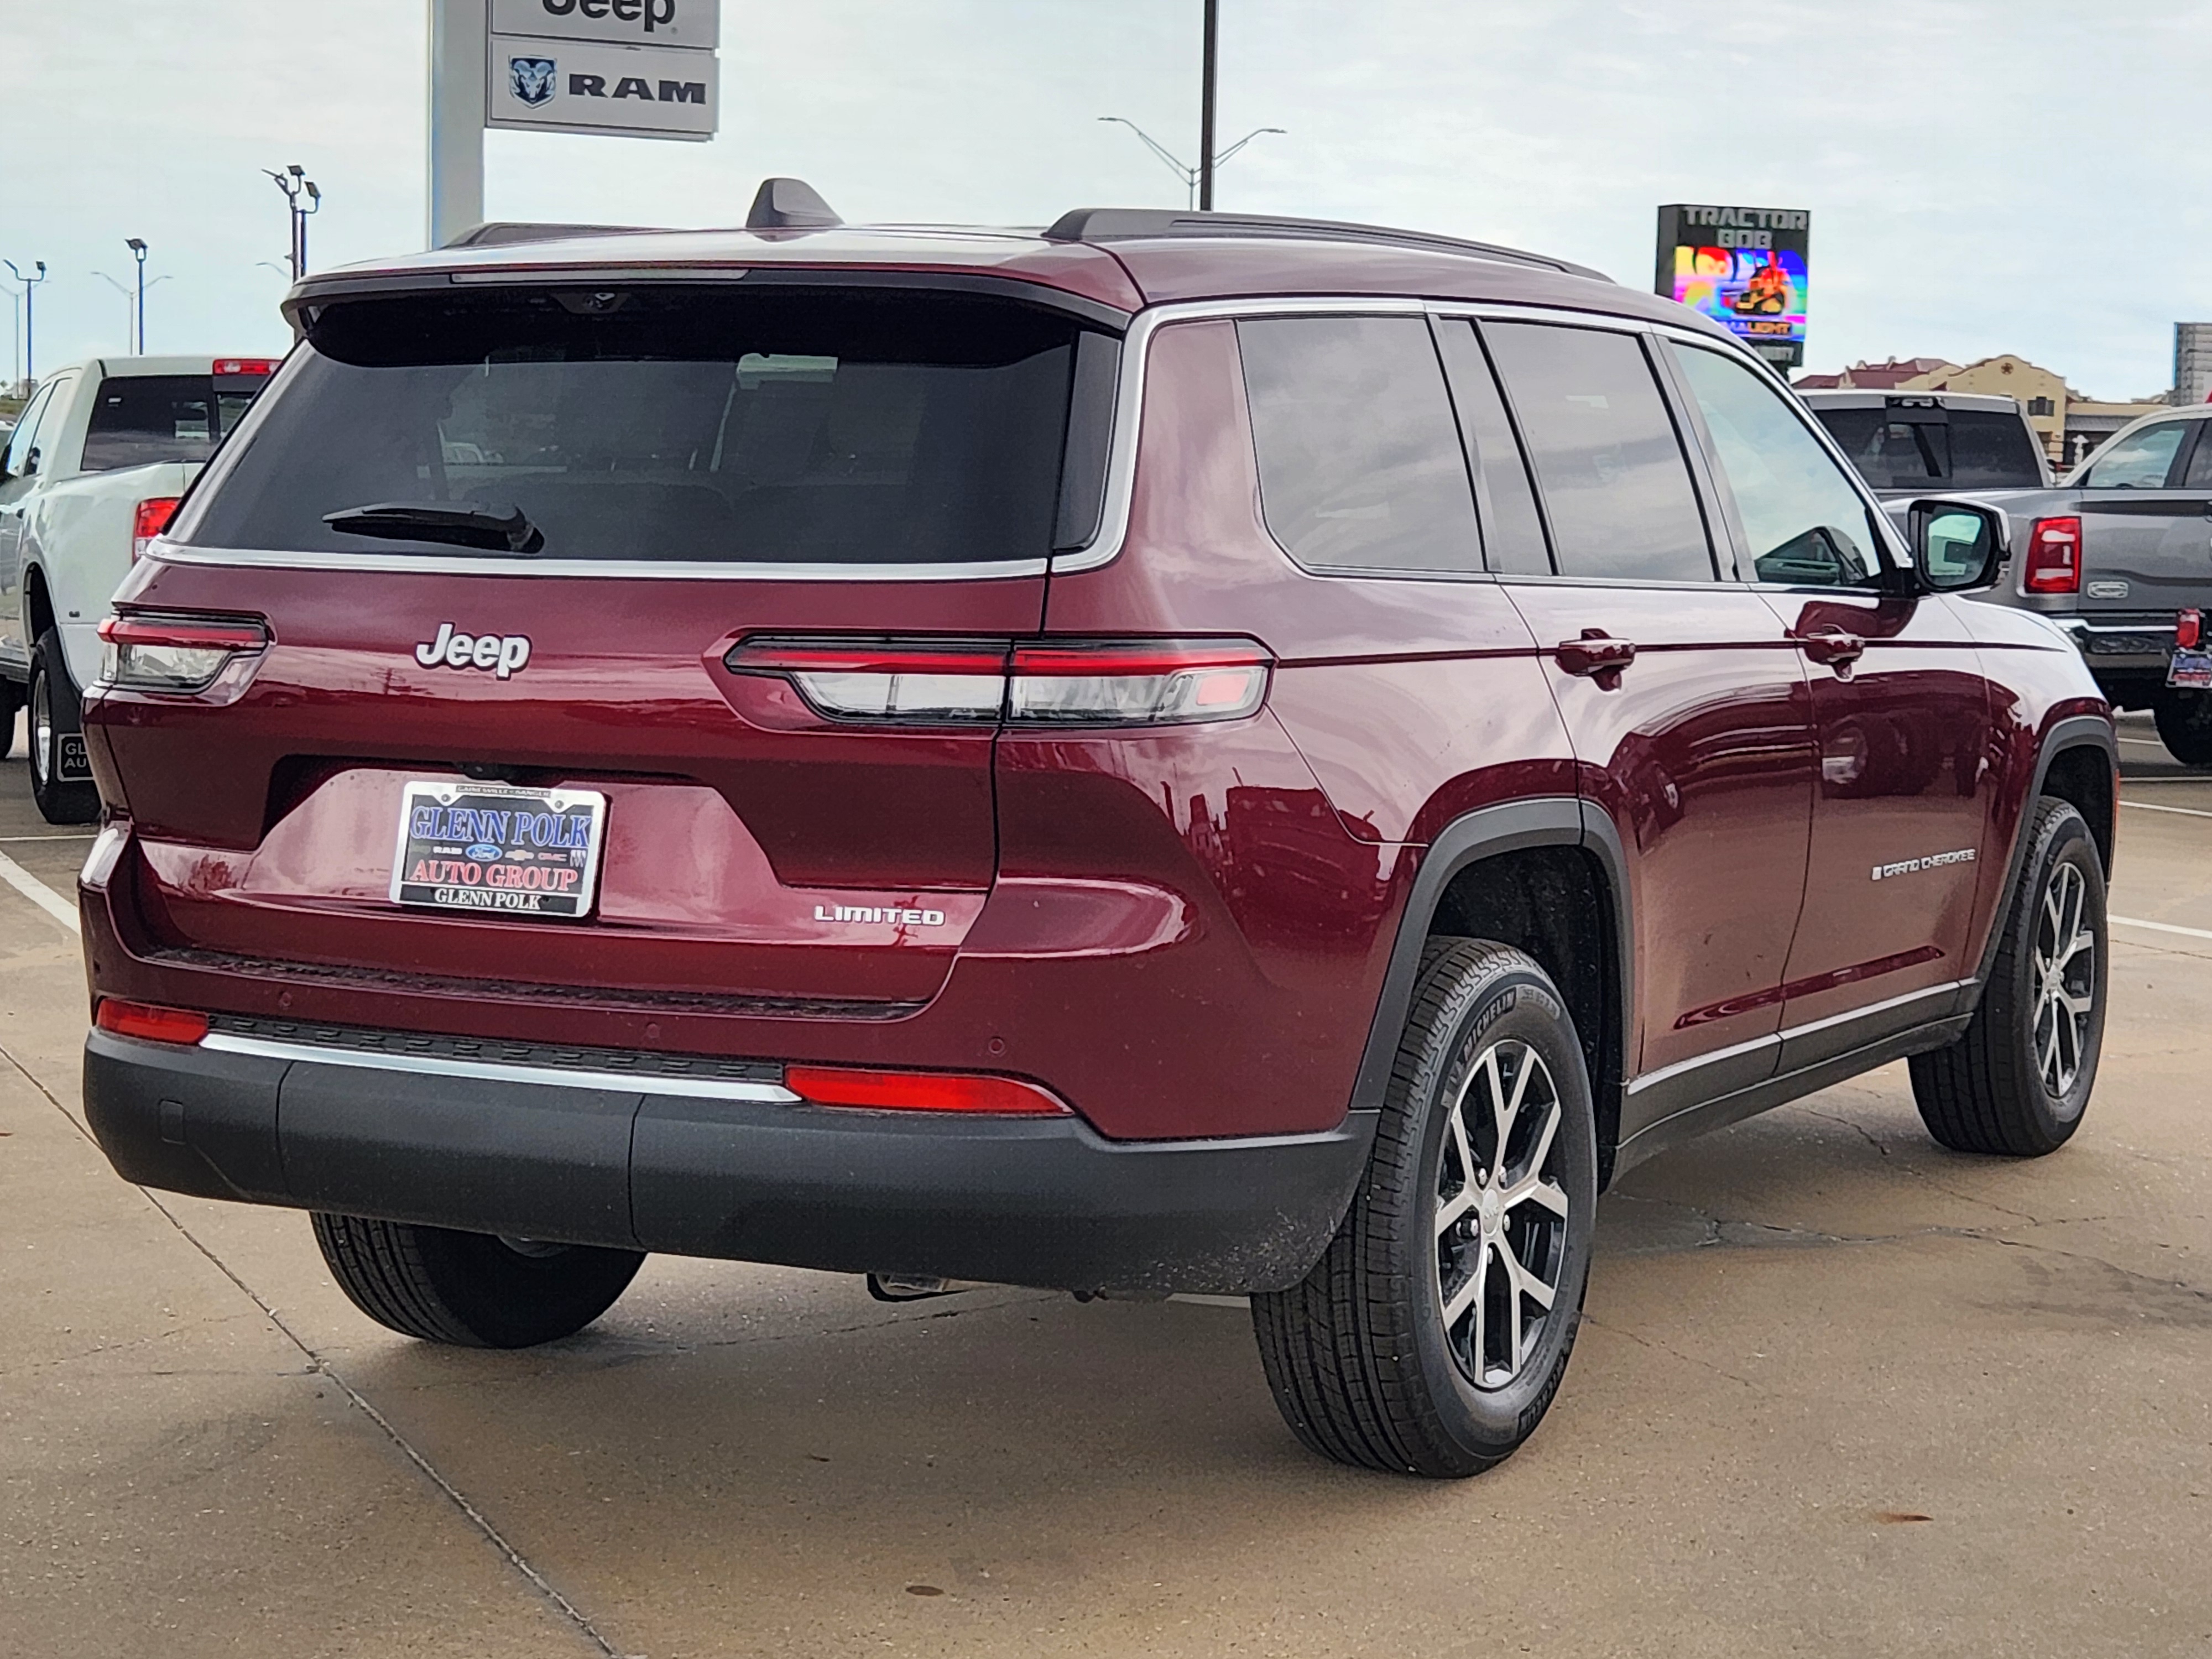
(90,475)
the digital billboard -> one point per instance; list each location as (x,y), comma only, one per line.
(1744,267)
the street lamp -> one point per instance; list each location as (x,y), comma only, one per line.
(137,247)
(137,345)
(296,184)
(1198,181)
(30,320)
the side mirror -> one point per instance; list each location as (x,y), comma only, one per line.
(1958,546)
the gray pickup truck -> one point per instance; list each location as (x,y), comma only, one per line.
(2113,554)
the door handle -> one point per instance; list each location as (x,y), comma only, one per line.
(1832,646)
(1596,654)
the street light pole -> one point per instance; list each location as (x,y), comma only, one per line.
(30,318)
(137,247)
(1191,176)
(1210,64)
(295,183)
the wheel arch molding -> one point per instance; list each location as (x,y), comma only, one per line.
(1591,957)
(2074,735)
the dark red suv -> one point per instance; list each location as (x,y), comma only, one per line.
(1176,753)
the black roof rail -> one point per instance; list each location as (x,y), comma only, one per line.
(501,233)
(1133,224)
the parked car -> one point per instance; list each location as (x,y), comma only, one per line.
(1907,443)
(91,472)
(1175,753)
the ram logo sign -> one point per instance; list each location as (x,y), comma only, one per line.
(588,86)
(531,80)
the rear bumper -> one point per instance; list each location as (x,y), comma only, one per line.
(2131,645)
(730,1171)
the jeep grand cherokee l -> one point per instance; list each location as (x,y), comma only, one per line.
(1175,753)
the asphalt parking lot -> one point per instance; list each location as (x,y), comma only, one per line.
(1839,1392)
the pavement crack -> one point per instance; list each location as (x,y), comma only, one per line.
(1642,1341)
(319,1366)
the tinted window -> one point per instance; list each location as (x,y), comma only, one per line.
(1512,534)
(140,419)
(1360,466)
(675,423)
(1964,448)
(2199,476)
(1616,484)
(1991,450)
(2140,460)
(1802,521)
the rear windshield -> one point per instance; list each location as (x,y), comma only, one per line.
(669,423)
(1969,449)
(139,419)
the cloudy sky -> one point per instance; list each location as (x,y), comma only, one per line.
(2010,175)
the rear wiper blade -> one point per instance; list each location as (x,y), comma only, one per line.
(496,528)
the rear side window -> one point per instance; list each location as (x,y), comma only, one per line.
(1361,466)
(1805,523)
(1512,534)
(802,426)
(2199,476)
(1616,483)
(139,419)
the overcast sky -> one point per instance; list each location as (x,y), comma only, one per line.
(2014,175)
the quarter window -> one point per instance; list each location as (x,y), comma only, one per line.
(1803,521)
(1360,466)
(1615,482)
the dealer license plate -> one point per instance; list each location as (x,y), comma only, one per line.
(498,849)
(2189,668)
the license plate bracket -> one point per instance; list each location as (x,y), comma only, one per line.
(2191,668)
(498,849)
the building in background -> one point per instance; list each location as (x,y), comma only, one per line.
(2070,424)
(2192,363)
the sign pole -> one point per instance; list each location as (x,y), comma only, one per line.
(458,30)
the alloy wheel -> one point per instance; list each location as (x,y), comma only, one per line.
(1501,1226)
(2065,981)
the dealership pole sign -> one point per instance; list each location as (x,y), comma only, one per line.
(633,69)
(1744,267)
(641,69)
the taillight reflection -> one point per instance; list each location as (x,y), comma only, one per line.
(148,1022)
(149,652)
(1086,683)
(920,1092)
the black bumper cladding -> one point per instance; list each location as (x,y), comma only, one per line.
(1013,1201)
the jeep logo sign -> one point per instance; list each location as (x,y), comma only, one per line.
(643,68)
(692,23)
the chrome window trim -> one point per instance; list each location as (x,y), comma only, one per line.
(484,1071)
(670,570)
(1645,1080)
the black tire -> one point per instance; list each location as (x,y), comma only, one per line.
(2184,719)
(2005,1087)
(471,1290)
(1366,1365)
(52,700)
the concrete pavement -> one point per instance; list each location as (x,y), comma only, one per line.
(1839,1392)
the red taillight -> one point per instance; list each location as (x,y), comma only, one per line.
(148,1022)
(148,653)
(920,1091)
(982,682)
(263,366)
(2054,556)
(151,518)
(2188,631)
